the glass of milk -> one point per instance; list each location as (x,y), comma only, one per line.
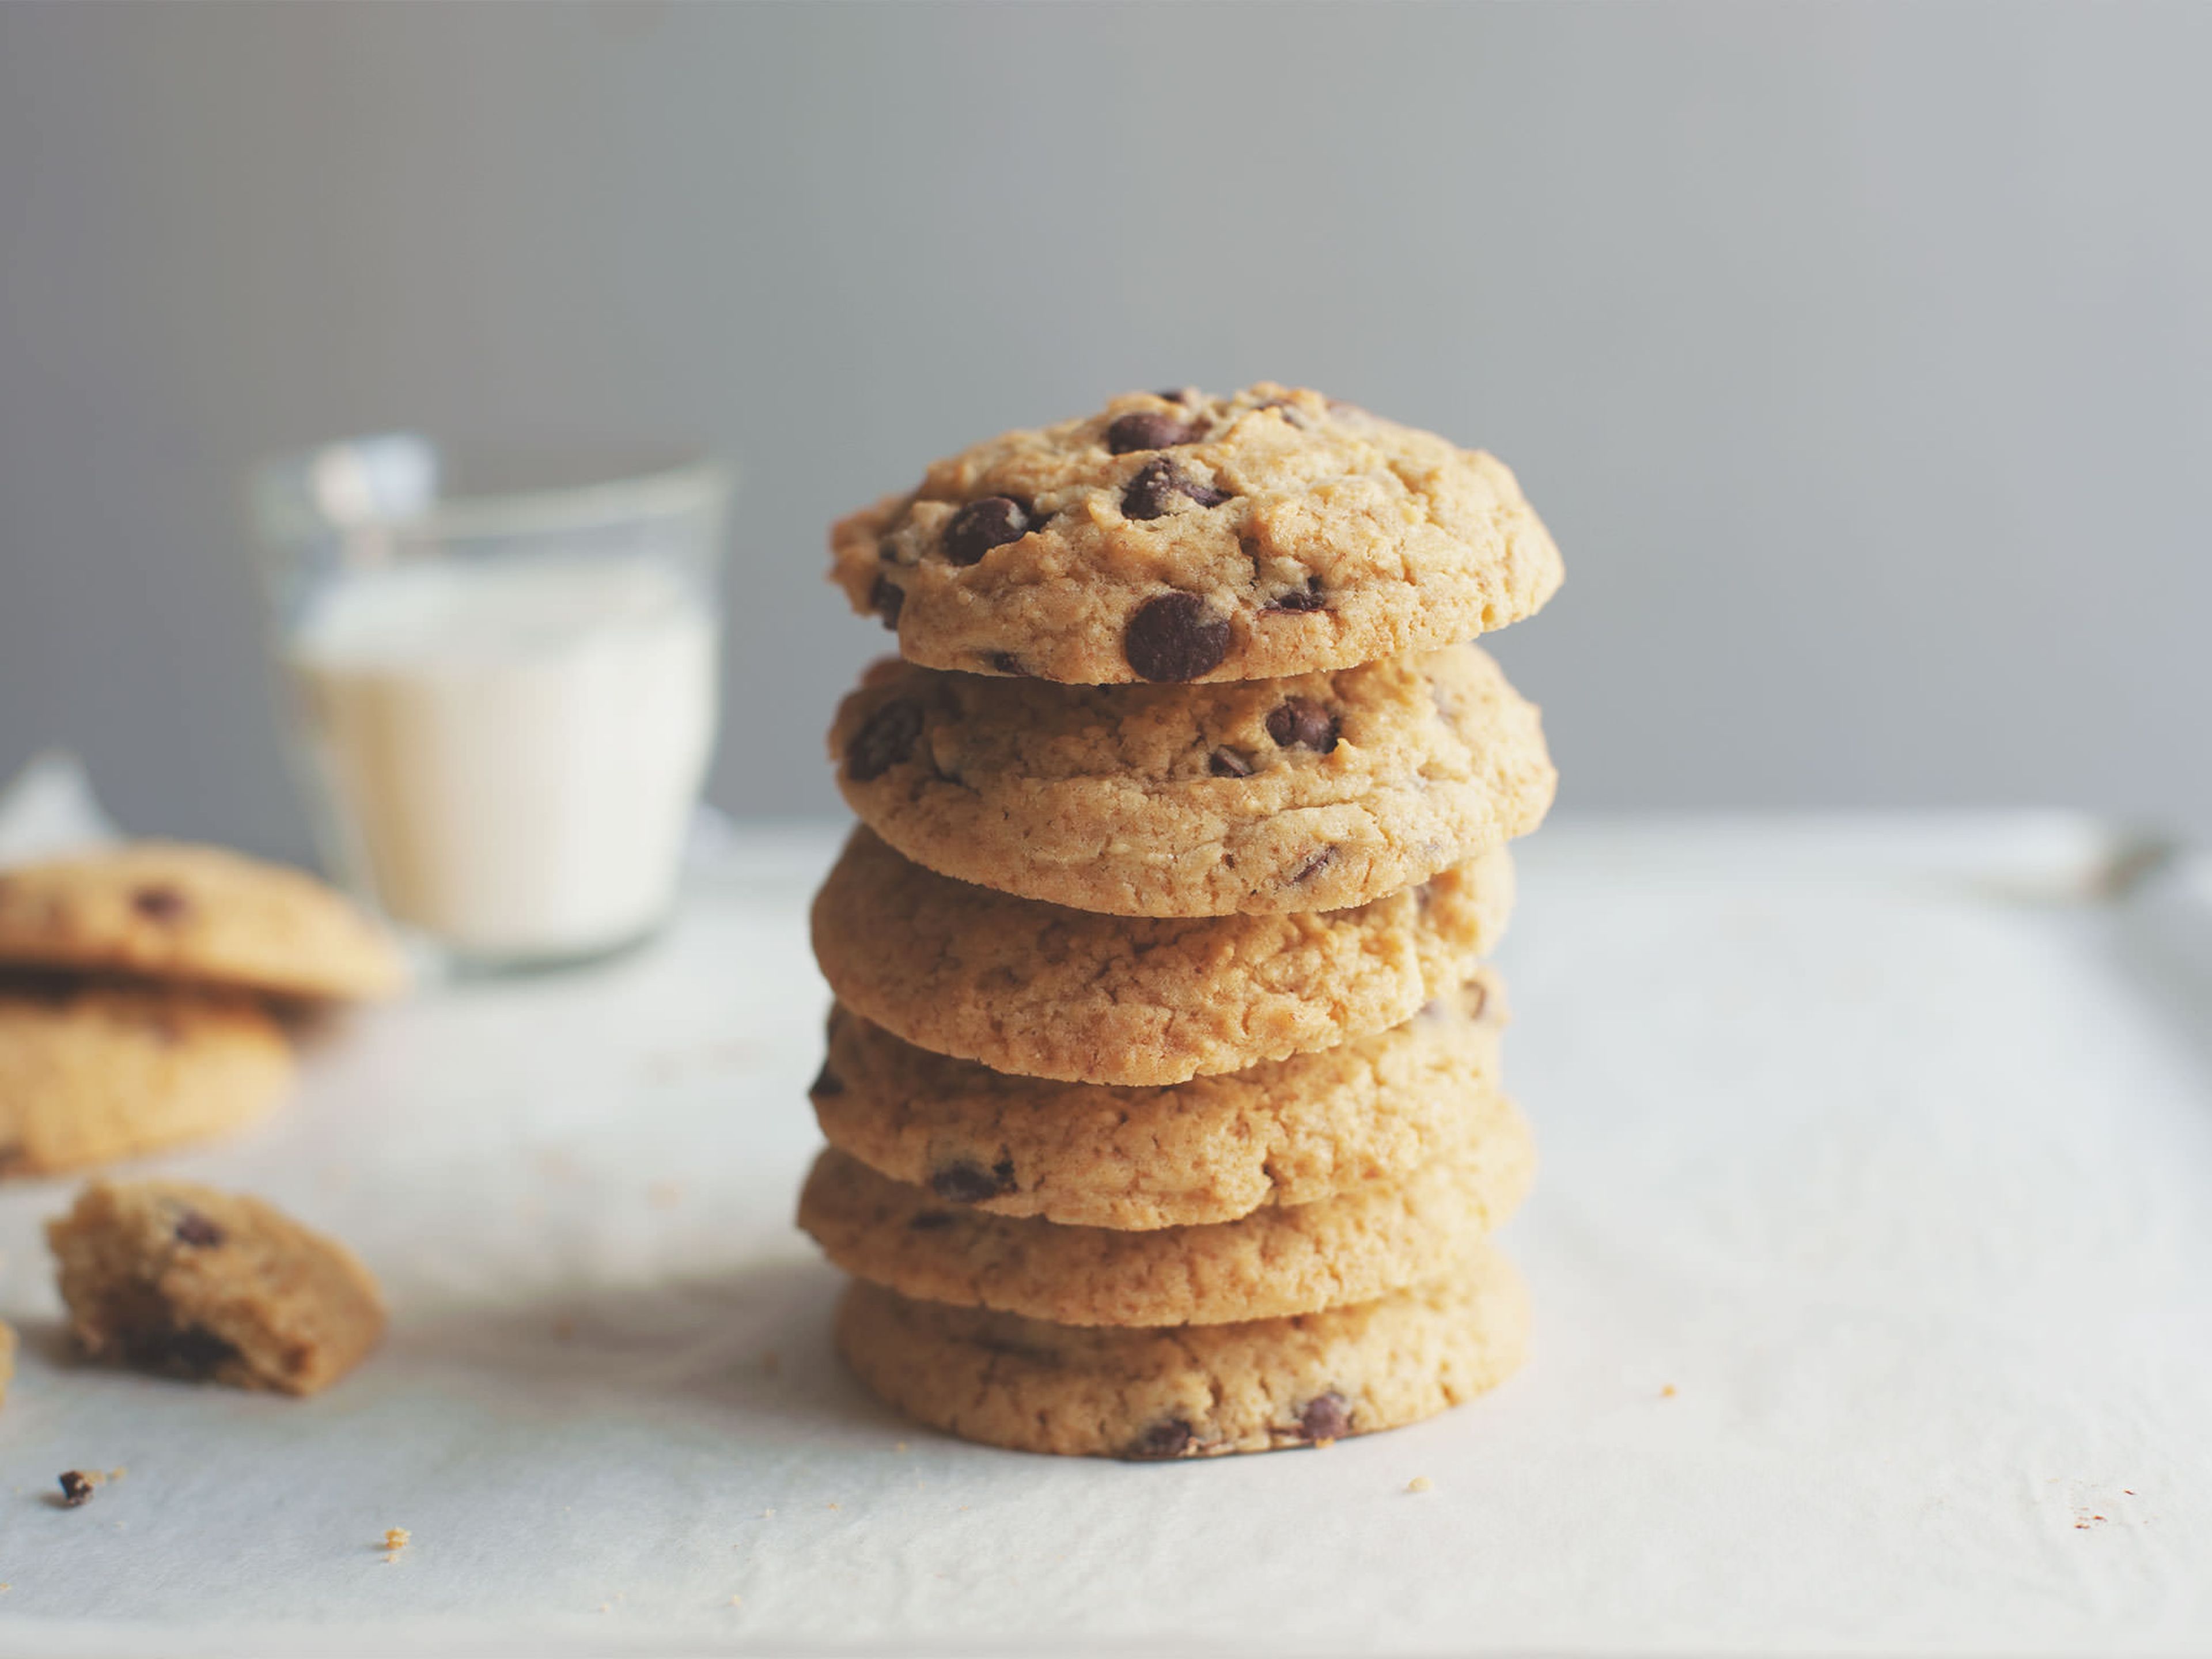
(503,682)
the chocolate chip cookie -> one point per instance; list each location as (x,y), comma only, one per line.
(1310,793)
(203,915)
(93,1072)
(1286,1131)
(1044,991)
(1279,1260)
(1198,1391)
(182,1279)
(1178,537)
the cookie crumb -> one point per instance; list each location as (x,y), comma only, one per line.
(832,1506)
(1666,1392)
(768,1515)
(736,1601)
(396,1539)
(898,1445)
(1419,1483)
(76,1487)
(117,1473)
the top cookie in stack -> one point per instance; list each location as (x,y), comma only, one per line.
(1219,783)
(1176,537)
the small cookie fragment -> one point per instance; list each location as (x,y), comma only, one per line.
(76,1487)
(196,914)
(182,1279)
(91,1072)
(1152,1395)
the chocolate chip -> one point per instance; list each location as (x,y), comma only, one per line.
(1327,1416)
(1184,395)
(1302,723)
(1156,485)
(980,525)
(929,1221)
(1298,601)
(885,599)
(77,1489)
(1314,864)
(826,1082)
(1133,433)
(1146,495)
(885,738)
(1228,763)
(887,550)
(196,1230)
(1160,1442)
(1005,662)
(1176,636)
(972,1183)
(160,903)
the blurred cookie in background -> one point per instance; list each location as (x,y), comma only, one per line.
(198,914)
(95,1070)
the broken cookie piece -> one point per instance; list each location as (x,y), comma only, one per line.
(187,1281)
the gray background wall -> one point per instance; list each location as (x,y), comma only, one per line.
(1859,356)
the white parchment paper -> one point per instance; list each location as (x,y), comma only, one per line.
(1871,1253)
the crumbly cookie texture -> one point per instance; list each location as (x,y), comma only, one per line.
(1178,537)
(1311,793)
(93,1072)
(1277,1260)
(1198,1391)
(1045,991)
(203,915)
(170,1277)
(1286,1131)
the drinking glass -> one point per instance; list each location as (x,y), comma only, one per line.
(500,679)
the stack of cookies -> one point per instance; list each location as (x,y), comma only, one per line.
(141,987)
(1162,1085)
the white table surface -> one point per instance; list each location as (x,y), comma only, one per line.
(1872,1253)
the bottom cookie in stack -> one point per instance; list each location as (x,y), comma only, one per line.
(1191,1391)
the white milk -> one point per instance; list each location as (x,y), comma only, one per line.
(513,747)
